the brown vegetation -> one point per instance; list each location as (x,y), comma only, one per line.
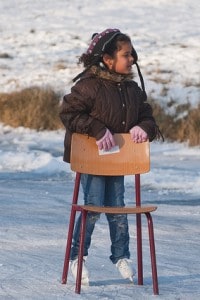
(182,129)
(33,107)
(189,127)
(38,108)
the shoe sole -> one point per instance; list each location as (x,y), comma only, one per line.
(131,279)
(85,281)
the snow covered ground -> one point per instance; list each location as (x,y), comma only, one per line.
(43,38)
(35,196)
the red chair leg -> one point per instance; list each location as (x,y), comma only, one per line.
(68,246)
(139,249)
(71,229)
(139,231)
(81,252)
(152,254)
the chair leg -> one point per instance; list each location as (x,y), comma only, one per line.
(152,254)
(71,229)
(139,230)
(68,246)
(81,251)
(139,249)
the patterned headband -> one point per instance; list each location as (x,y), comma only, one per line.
(100,41)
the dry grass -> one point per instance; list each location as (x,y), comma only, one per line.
(38,108)
(185,129)
(164,121)
(34,107)
(188,128)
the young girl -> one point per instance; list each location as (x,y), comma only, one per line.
(105,100)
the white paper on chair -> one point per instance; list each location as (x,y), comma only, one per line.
(114,149)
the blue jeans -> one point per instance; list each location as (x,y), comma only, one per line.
(104,191)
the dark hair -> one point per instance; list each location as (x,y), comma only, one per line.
(107,42)
(115,44)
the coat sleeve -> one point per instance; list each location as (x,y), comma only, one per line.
(76,109)
(146,119)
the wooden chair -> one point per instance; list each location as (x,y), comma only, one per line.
(133,159)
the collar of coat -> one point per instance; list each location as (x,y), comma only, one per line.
(106,74)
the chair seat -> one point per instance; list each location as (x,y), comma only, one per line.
(116,210)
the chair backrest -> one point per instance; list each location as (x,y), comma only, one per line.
(129,158)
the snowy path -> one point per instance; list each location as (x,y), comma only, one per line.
(34,216)
(35,196)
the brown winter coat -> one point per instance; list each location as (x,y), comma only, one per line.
(101,100)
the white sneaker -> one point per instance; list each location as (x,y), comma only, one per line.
(85,273)
(125,268)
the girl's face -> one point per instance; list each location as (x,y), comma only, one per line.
(122,61)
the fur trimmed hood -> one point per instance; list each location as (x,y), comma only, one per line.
(104,73)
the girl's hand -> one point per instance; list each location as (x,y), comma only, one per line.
(138,135)
(106,142)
